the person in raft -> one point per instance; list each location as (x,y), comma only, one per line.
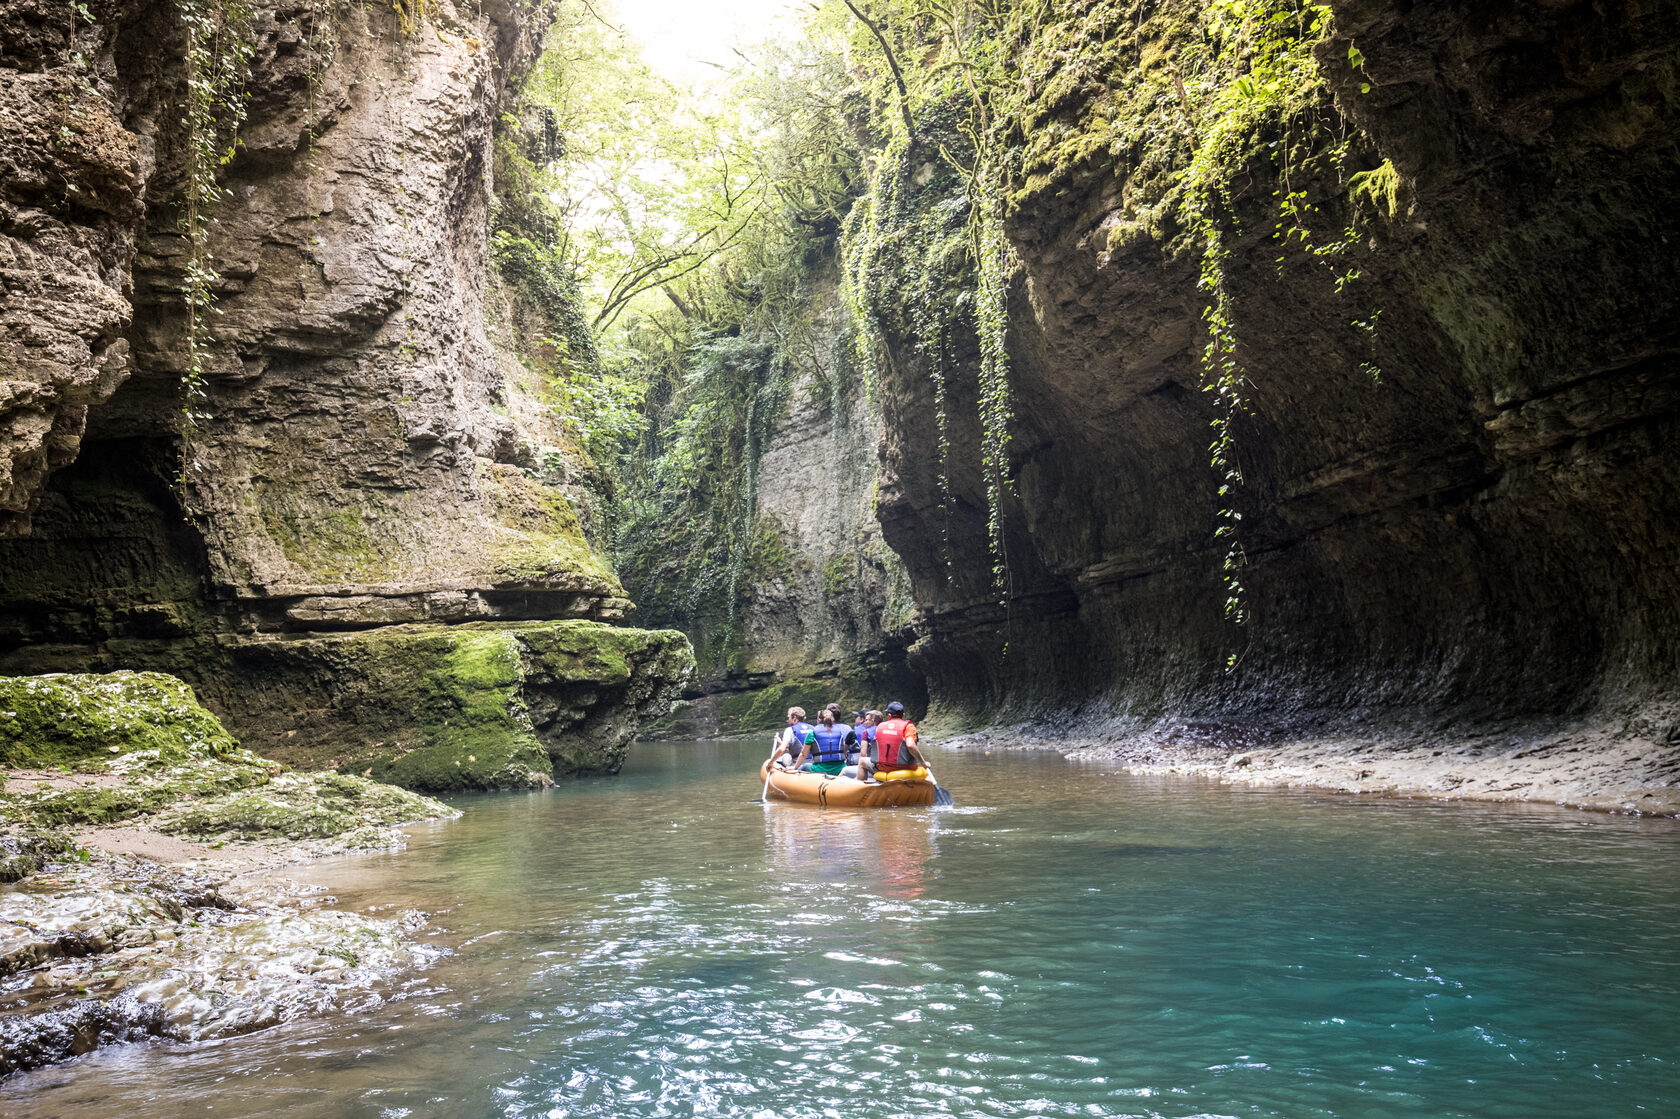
(853,745)
(826,746)
(791,737)
(865,722)
(895,745)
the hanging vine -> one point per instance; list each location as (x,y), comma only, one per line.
(946,107)
(1260,87)
(991,316)
(1224,379)
(219,46)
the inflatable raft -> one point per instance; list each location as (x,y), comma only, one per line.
(844,792)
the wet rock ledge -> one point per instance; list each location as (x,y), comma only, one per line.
(132,828)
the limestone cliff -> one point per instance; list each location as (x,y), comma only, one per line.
(815,608)
(364,452)
(1483,532)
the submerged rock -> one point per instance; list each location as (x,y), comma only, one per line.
(119,949)
(98,946)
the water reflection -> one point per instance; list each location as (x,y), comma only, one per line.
(884,851)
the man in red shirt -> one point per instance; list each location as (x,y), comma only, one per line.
(894,746)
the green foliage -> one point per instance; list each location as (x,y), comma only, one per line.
(939,77)
(639,184)
(411,15)
(739,228)
(1378,188)
(219,44)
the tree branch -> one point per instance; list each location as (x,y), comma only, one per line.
(892,61)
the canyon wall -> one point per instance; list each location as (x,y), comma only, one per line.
(369,456)
(817,608)
(1466,514)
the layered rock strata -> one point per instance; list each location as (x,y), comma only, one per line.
(1483,533)
(365,454)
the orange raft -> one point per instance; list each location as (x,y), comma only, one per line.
(843,792)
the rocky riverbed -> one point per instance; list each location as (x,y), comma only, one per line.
(1626,769)
(142,847)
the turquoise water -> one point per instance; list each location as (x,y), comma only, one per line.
(1067,941)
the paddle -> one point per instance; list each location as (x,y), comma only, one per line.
(766,797)
(941,798)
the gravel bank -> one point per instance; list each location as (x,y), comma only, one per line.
(1626,769)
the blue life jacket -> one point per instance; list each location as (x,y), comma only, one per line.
(828,744)
(866,739)
(801,730)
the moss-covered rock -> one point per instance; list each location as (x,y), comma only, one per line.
(301,806)
(86,720)
(23,854)
(101,750)
(470,728)
(591,686)
(479,706)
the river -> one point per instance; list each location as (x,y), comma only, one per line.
(1066,941)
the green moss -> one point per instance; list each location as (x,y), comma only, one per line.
(88,721)
(767,708)
(591,652)
(770,558)
(466,726)
(176,763)
(450,704)
(1129,234)
(838,576)
(94,807)
(550,546)
(1378,188)
(302,806)
(326,546)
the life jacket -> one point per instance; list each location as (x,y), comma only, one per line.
(792,743)
(890,749)
(866,739)
(828,744)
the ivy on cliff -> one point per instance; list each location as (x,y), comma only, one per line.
(1254,88)
(219,45)
(940,104)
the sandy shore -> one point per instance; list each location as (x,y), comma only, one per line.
(1584,766)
